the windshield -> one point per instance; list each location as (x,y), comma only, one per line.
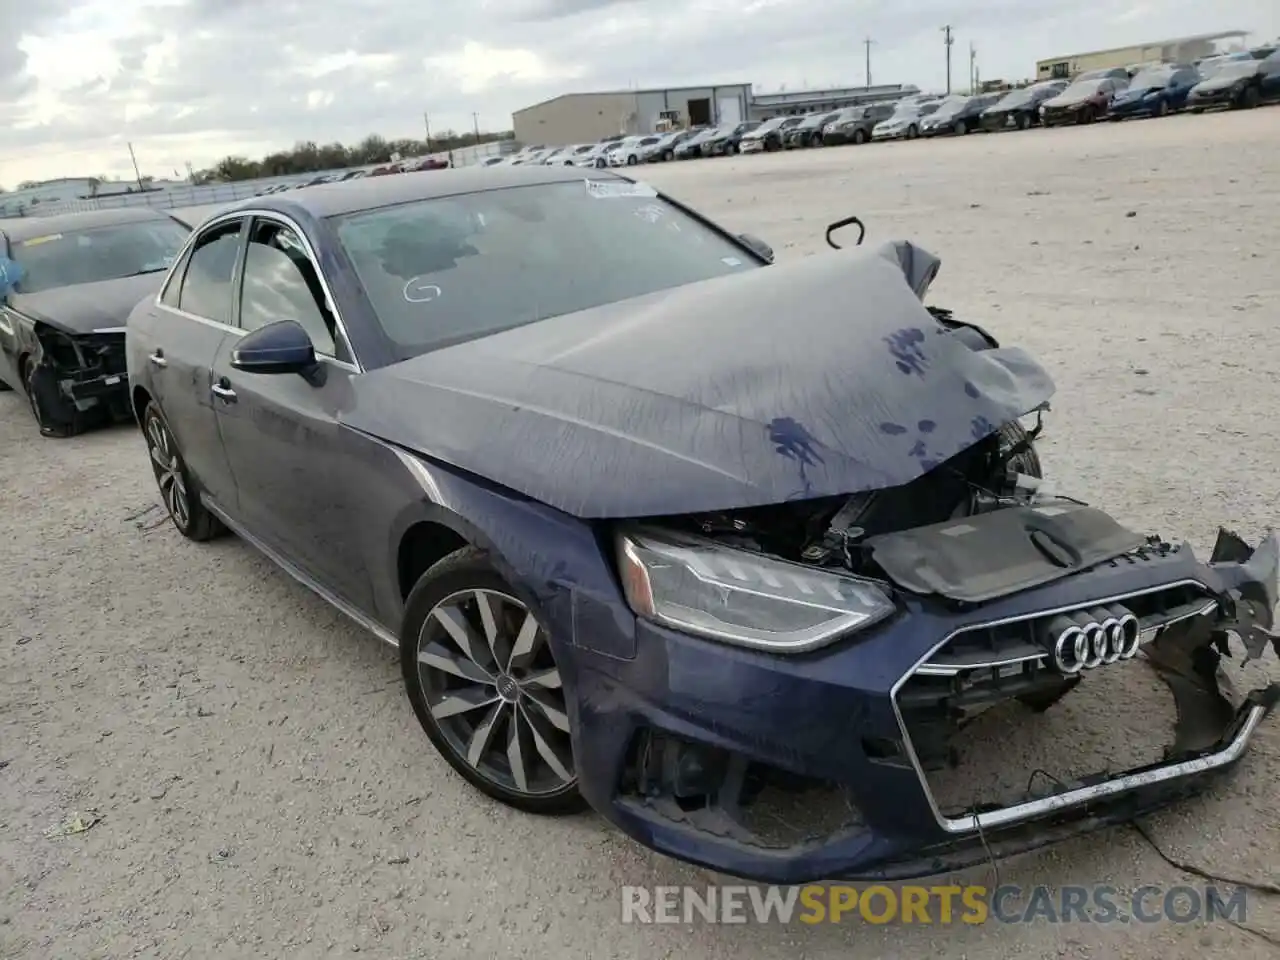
(456,268)
(1016,98)
(97,254)
(770,124)
(951,105)
(1235,69)
(1151,78)
(904,111)
(1081,88)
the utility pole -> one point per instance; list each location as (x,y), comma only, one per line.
(426,122)
(973,68)
(137,174)
(867,44)
(475,123)
(948,40)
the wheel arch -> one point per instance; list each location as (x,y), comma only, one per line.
(139,397)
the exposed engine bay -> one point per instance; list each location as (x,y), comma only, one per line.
(1002,470)
(78,379)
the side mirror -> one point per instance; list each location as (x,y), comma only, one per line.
(758,246)
(280,347)
(11,274)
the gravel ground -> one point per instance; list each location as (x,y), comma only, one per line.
(264,788)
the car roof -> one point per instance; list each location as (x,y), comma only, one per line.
(369,193)
(25,228)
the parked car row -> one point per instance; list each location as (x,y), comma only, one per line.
(353,381)
(1234,80)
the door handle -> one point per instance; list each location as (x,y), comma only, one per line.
(223,392)
(158,359)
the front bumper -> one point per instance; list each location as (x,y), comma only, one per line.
(751,146)
(1211,99)
(888,134)
(1142,107)
(668,745)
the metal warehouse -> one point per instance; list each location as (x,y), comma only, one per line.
(587,117)
(766,105)
(1179,50)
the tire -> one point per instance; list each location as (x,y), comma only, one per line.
(178,489)
(631,160)
(1085,116)
(468,702)
(815,140)
(859,136)
(1250,98)
(668,155)
(1162,108)
(1023,122)
(962,127)
(42,389)
(731,149)
(912,132)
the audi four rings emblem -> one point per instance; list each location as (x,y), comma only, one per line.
(1084,640)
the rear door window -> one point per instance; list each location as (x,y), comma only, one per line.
(207,284)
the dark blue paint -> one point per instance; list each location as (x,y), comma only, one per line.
(904,345)
(982,427)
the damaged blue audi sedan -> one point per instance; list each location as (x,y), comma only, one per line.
(650,539)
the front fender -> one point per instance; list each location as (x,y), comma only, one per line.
(573,589)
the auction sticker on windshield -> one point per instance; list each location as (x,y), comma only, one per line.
(36,241)
(609,189)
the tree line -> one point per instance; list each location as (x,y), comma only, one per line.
(310,157)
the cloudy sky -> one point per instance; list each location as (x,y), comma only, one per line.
(195,80)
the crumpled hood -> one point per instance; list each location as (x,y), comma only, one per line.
(86,307)
(717,395)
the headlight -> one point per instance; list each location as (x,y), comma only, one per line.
(743,598)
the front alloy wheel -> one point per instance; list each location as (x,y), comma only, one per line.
(480,672)
(181,498)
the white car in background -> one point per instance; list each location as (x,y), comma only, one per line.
(568,157)
(626,152)
(597,155)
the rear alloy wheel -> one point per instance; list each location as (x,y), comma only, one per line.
(180,495)
(912,132)
(1162,108)
(480,672)
(668,155)
(859,136)
(631,160)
